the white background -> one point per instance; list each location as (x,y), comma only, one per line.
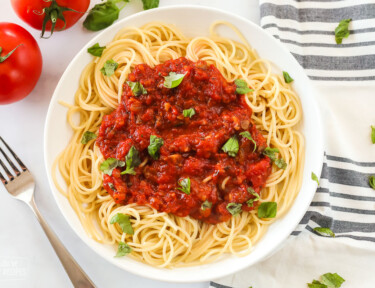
(26,257)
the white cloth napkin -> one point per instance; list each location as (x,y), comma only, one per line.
(344,76)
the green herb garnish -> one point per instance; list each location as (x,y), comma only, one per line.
(109,68)
(328,280)
(242,87)
(287,77)
(231,146)
(173,80)
(267,210)
(372,134)
(342,30)
(124,222)
(271,153)
(149,4)
(111,163)
(189,112)
(234,208)
(247,135)
(132,160)
(137,88)
(250,202)
(371,181)
(185,185)
(314,177)
(324,231)
(123,249)
(88,136)
(206,205)
(154,147)
(96,50)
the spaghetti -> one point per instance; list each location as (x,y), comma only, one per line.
(162,239)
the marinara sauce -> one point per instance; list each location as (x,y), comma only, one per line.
(192,146)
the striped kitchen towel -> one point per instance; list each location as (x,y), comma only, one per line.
(344,76)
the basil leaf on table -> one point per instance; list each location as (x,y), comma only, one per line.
(373,134)
(287,77)
(324,231)
(342,30)
(96,50)
(124,222)
(149,4)
(314,177)
(102,15)
(371,181)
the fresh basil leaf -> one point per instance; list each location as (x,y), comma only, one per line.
(267,210)
(111,163)
(189,112)
(173,80)
(281,163)
(332,280)
(112,186)
(132,160)
(101,16)
(137,88)
(242,87)
(234,208)
(231,147)
(314,177)
(88,136)
(271,153)
(123,249)
(185,185)
(109,68)
(124,222)
(316,284)
(287,77)
(3,58)
(206,205)
(96,50)
(324,231)
(373,134)
(371,181)
(342,30)
(149,4)
(247,135)
(154,147)
(250,202)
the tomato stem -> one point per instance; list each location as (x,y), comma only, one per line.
(2,59)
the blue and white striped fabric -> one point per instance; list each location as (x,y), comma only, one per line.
(344,202)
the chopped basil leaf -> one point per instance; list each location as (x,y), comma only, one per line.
(185,185)
(267,210)
(124,222)
(371,181)
(314,177)
(88,136)
(231,147)
(250,202)
(234,208)
(173,80)
(137,88)
(242,87)
(123,249)
(111,163)
(287,77)
(332,280)
(96,50)
(247,135)
(109,68)
(154,147)
(149,4)
(342,30)
(132,160)
(324,231)
(373,134)
(270,152)
(206,205)
(189,112)
(316,284)
(112,186)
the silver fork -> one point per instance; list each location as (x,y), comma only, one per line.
(21,186)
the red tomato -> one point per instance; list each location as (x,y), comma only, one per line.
(21,70)
(40,14)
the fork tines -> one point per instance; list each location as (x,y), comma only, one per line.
(10,162)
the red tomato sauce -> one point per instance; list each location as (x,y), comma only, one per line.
(192,146)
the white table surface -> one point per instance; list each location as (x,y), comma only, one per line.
(26,257)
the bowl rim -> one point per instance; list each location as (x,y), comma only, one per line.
(159,276)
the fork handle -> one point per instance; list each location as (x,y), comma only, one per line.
(76,274)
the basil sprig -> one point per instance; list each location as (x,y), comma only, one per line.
(231,146)
(267,210)
(132,160)
(137,88)
(188,112)
(123,249)
(242,87)
(234,208)
(270,152)
(88,136)
(154,147)
(247,135)
(124,222)
(109,68)
(173,80)
(287,77)
(184,185)
(96,50)
(342,30)
(111,163)
(324,231)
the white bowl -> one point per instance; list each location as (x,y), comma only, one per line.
(193,21)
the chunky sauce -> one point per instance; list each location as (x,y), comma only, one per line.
(192,146)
